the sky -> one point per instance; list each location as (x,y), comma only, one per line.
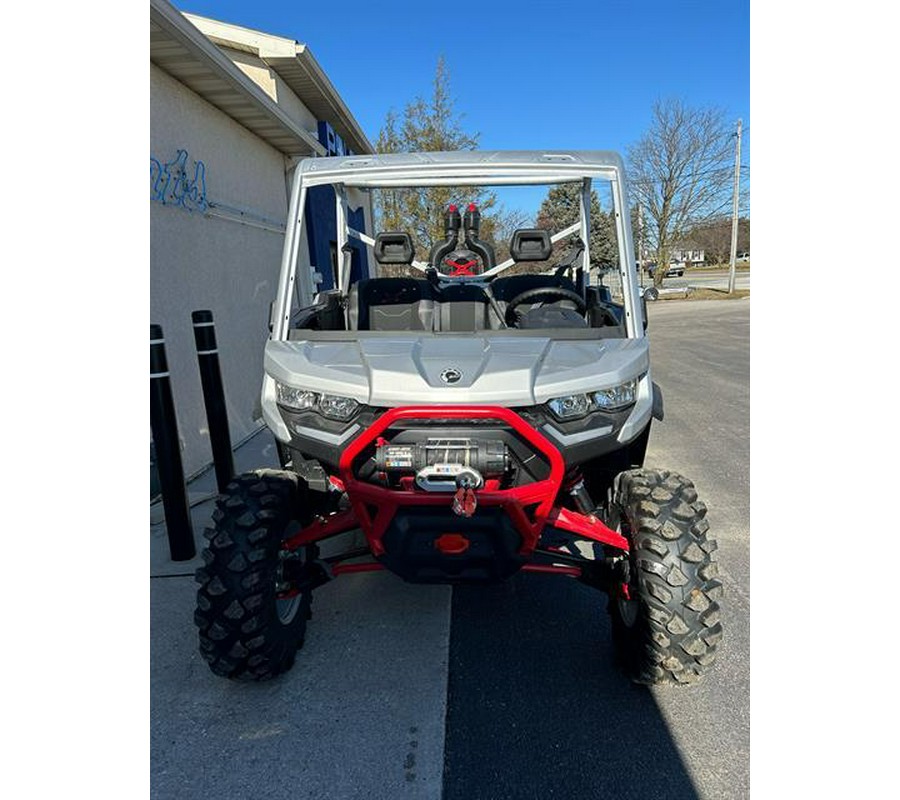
(564,75)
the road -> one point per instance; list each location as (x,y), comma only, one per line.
(706,279)
(482,693)
(536,707)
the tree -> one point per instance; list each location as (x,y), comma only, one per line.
(429,125)
(681,171)
(562,208)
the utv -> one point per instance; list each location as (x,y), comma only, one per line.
(471,424)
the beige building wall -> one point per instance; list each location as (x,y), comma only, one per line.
(200,261)
(273,85)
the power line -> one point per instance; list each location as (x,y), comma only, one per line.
(722,170)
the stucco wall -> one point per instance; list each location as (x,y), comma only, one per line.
(202,262)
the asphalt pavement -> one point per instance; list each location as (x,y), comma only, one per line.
(707,279)
(509,691)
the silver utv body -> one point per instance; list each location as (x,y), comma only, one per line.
(491,366)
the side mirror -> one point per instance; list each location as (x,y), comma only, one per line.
(650,293)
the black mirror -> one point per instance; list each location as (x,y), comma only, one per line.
(650,293)
(394,248)
(530,244)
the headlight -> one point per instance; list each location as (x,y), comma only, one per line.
(616,397)
(295,398)
(575,406)
(328,405)
(336,407)
(572,406)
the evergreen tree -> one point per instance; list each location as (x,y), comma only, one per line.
(430,125)
(562,208)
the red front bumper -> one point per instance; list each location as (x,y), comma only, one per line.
(531,507)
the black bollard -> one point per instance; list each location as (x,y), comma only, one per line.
(213,397)
(168,452)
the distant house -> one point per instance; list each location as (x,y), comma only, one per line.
(688,253)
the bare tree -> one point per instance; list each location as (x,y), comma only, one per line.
(681,172)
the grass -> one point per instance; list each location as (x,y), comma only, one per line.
(740,266)
(707,294)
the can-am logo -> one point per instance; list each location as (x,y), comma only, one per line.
(451,375)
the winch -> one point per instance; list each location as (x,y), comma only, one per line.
(444,465)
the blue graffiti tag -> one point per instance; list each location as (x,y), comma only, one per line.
(170,185)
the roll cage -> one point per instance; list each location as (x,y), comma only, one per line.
(468,168)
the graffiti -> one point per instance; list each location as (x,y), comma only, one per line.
(171,186)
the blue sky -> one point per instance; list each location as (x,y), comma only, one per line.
(574,75)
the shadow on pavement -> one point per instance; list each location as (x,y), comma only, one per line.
(537,708)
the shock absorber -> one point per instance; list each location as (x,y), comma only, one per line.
(579,493)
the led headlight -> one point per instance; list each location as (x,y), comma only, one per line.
(328,405)
(335,407)
(616,397)
(291,397)
(575,406)
(572,406)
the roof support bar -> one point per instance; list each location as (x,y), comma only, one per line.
(633,314)
(585,212)
(289,262)
(343,254)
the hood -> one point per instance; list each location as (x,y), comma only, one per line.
(494,370)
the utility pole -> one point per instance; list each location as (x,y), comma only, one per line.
(734,207)
(641,241)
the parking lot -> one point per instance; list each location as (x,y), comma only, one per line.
(509,691)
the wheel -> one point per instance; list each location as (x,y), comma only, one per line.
(665,624)
(248,632)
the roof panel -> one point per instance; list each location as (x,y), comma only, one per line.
(180,49)
(295,64)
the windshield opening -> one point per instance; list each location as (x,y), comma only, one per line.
(442,259)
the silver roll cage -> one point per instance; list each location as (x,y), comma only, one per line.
(466,168)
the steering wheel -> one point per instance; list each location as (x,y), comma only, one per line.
(556,292)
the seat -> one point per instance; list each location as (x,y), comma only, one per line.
(462,308)
(391,304)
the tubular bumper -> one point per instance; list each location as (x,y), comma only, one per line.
(530,507)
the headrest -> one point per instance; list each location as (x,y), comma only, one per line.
(530,244)
(394,248)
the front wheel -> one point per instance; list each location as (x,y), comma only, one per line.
(665,619)
(250,629)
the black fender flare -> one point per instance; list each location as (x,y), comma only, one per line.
(658,411)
